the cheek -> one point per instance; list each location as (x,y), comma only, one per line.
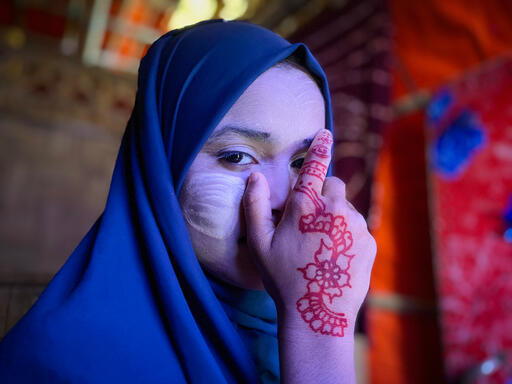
(211,203)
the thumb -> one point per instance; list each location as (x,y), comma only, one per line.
(258,213)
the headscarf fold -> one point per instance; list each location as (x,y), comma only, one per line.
(132,304)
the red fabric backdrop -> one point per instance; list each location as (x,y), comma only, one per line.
(434,41)
(473,260)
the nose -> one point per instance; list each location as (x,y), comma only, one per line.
(280,181)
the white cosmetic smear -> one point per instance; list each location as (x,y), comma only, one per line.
(210,202)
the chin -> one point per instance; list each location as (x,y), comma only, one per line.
(229,259)
(236,268)
(248,276)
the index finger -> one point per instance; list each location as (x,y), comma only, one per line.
(314,169)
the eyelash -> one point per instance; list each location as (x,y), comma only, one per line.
(223,156)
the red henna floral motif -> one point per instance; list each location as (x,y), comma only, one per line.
(319,317)
(328,273)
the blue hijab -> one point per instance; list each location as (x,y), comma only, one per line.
(132,304)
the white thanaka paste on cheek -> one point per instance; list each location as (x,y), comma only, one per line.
(210,203)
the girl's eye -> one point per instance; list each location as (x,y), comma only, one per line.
(237,157)
(234,157)
(298,163)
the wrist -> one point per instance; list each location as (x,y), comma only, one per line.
(292,324)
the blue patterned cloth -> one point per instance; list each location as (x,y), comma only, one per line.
(460,135)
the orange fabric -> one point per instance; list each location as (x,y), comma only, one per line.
(415,338)
(404,348)
(403,263)
(436,40)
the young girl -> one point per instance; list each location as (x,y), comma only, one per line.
(196,272)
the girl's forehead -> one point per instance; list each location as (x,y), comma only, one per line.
(285,89)
(282,105)
(232,133)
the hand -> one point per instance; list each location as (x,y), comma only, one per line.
(317,261)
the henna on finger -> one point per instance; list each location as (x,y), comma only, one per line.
(329,271)
(316,162)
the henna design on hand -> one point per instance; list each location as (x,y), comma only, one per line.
(325,138)
(329,272)
(320,150)
(314,168)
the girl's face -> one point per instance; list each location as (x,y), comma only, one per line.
(269,130)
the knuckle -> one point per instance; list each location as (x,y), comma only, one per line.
(339,204)
(338,182)
(361,221)
(335,186)
(358,223)
(360,217)
(372,244)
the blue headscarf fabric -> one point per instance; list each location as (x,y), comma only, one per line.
(132,304)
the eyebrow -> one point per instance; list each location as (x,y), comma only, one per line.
(261,136)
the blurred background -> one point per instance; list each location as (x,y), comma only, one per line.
(422,98)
